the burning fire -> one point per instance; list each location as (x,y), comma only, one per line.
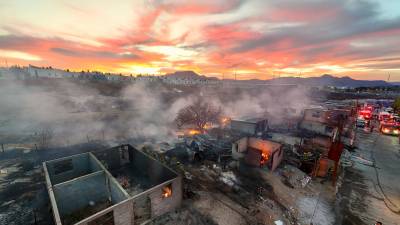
(264,158)
(194,132)
(167,191)
(225,121)
(207,126)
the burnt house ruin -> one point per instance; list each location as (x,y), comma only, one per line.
(258,152)
(253,126)
(116,186)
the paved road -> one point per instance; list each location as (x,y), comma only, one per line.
(371,192)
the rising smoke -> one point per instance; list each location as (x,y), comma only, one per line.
(77,112)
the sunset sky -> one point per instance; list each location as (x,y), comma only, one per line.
(252,38)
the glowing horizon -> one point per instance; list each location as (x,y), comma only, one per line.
(250,38)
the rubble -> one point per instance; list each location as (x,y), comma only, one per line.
(295,177)
(260,171)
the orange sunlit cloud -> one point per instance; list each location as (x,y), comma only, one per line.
(244,38)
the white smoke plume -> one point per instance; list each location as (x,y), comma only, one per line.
(81,111)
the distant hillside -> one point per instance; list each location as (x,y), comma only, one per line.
(329,80)
(187,75)
(324,80)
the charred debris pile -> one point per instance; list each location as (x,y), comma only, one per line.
(259,163)
(311,140)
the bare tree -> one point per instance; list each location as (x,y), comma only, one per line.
(2,123)
(44,136)
(199,114)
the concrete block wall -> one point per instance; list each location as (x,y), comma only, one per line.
(93,164)
(123,214)
(76,194)
(239,148)
(316,127)
(155,171)
(80,167)
(276,159)
(161,205)
(263,144)
(116,192)
(316,115)
(243,126)
(109,157)
(286,139)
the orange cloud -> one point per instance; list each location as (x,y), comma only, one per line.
(252,39)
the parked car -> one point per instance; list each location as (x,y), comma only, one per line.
(360,122)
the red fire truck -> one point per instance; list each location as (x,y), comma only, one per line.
(384,116)
(365,114)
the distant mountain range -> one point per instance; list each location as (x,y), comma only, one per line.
(324,80)
(188,75)
(329,80)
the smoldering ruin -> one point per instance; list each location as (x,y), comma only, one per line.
(115,150)
(77,112)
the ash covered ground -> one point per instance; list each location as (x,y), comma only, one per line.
(48,119)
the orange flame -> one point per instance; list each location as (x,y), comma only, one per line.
(194,132)
(264,158)
(167,191)
(207,126)
(225,121)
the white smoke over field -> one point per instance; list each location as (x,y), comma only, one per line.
(79,111)
(277,104)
